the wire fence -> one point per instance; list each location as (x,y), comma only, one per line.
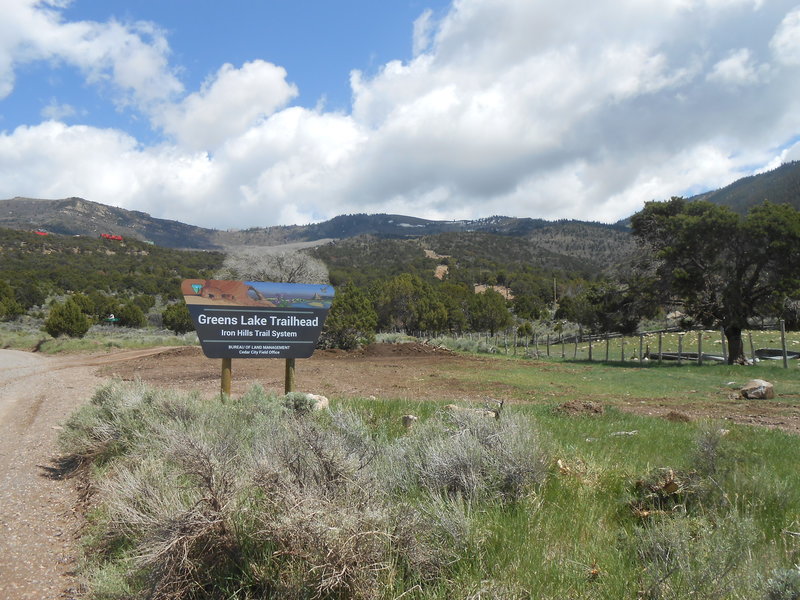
(670,345)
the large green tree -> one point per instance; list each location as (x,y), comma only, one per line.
(722,268)
(488,311)
(352,320)
(604,307)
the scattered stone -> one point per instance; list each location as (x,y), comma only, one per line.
(409,420)
(758,389)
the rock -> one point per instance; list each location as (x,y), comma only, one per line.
(757,389)
(483,412)
(409,420)
(320,402)
(301,402)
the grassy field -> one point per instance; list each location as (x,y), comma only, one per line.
(27,335)
(260,498)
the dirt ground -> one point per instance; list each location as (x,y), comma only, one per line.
(39,521)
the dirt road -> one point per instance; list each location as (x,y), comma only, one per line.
(37,522)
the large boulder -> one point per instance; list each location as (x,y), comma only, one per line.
(758,389)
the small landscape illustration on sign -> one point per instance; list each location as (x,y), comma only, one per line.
(257,319)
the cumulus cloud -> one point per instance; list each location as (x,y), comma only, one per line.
(554,110)
(229,103)
(132,59)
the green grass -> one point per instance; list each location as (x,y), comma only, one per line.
(573,534)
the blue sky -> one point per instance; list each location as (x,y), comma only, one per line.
(257,113)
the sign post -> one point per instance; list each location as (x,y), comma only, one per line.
(256,319)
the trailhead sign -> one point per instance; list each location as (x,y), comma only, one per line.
(257,319)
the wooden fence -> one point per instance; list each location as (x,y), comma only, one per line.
(648,346)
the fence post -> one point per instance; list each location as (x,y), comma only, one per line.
(700,347)
(659,347)
(752,349)
(590,349)
(548,345)
(607,347)
(680,348)
(641,348)
(783,345)
(724,345)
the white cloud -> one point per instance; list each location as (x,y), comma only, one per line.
(131,58)
(423,27)
(227,105)
(56,111)
(786,42)
(554,110)
(737,69)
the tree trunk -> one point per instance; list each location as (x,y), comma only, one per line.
(736,355)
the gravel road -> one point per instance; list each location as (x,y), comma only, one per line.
(38,524)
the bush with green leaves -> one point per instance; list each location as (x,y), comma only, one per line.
(176,318)
(130,315)
(351,321)
(67,319)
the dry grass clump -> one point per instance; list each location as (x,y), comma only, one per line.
(255,499)
(462,453)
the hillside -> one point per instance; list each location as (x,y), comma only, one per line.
(536,241)
(57,263)
(390,243)
(779,186)
(76,216)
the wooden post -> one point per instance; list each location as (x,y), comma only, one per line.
(752,349)
(659,347)
(563,354)
(288,385)
(700,347)
(783,345)
(680,347)
(225,388)
(724,345)
(641,348)
(548,345)
(590,349)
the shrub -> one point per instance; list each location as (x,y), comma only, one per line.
(783,585)
(176,318)
(351,322)
(700,557)
(66,319)
(130,315)
(243,500)
(463,453)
